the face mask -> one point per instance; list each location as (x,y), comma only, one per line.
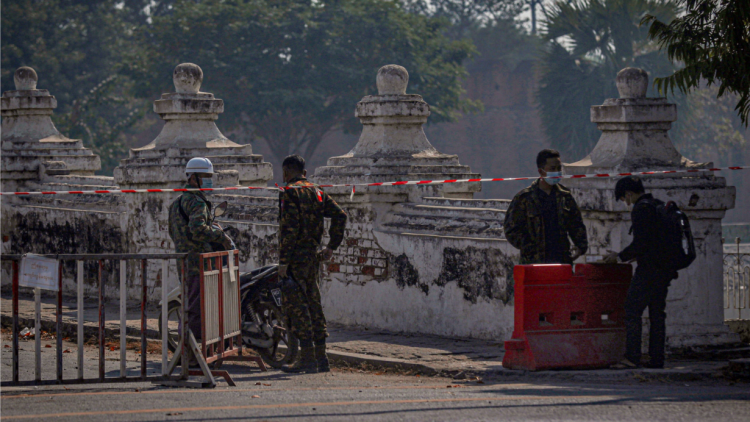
(553,174)
(207,183)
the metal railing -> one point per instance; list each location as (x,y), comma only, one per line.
(80,259)
(737,283)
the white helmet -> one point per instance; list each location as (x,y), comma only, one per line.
(199,165)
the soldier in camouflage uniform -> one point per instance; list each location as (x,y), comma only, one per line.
(302,208)
(541,217)
(191,232)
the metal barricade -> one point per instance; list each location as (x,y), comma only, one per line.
(80,259)
(737,284)
(221,324)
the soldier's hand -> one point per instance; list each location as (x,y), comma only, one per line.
(575,252)
(610,258)
(282,271)
(226,242)
(326,254)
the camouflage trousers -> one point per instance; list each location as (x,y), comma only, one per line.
(303,305)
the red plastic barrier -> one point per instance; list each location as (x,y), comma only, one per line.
(566,320)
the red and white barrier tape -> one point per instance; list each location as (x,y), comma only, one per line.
(401,183)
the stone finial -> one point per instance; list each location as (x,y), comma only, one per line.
(188,78)
(392,80)
(632,83)
(25,78)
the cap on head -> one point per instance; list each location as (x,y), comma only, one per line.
(199,165)
(392,79)
(628,184)
(187,78)
(25,78)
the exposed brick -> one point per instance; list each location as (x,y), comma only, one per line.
(351,242)
(379,272)
(368,270)
(351,259)
(334,268)
(378,262)
(362,260)
(362,252)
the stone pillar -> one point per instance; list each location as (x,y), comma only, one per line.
(32,147)
(427,258)
(393,146)
(190,131)
(634,138)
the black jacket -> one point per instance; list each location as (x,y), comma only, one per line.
(647,246)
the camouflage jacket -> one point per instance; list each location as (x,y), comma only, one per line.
(301,214)
(524,227)
(192,236)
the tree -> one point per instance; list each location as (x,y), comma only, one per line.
(712,42)
(589,41)
(75,45)
(467,16)
(290,71)
(710,130)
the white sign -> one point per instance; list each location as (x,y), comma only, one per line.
(39,272)
(232,275)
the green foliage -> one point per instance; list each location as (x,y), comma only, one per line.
(710,129)
(492,25)
(589,42)
(289,71)
(712,41)
(75,46)
(468,16)
(503,41)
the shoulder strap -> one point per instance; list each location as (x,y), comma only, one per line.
(182,210)
(184,216)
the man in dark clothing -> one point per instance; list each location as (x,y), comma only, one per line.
(650,284)
(541,217)
(303,207)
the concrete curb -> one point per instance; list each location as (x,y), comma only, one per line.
(641,374)
(379,362)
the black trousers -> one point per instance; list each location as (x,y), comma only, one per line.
(648,289)
(194,305)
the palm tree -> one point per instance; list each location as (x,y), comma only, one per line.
(589,41)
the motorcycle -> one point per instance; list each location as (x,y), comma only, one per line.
(265,327)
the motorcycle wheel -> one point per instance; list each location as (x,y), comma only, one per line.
(173,314)
(288,346)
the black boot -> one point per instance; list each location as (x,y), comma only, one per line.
(306,363)
(321,358)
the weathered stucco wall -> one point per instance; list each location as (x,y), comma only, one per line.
(418,282)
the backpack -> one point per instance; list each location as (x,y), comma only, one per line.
(679,247)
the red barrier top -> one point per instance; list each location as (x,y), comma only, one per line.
(542,274)
(552,298)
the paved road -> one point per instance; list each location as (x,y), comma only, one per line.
(351,394)
(354,396)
